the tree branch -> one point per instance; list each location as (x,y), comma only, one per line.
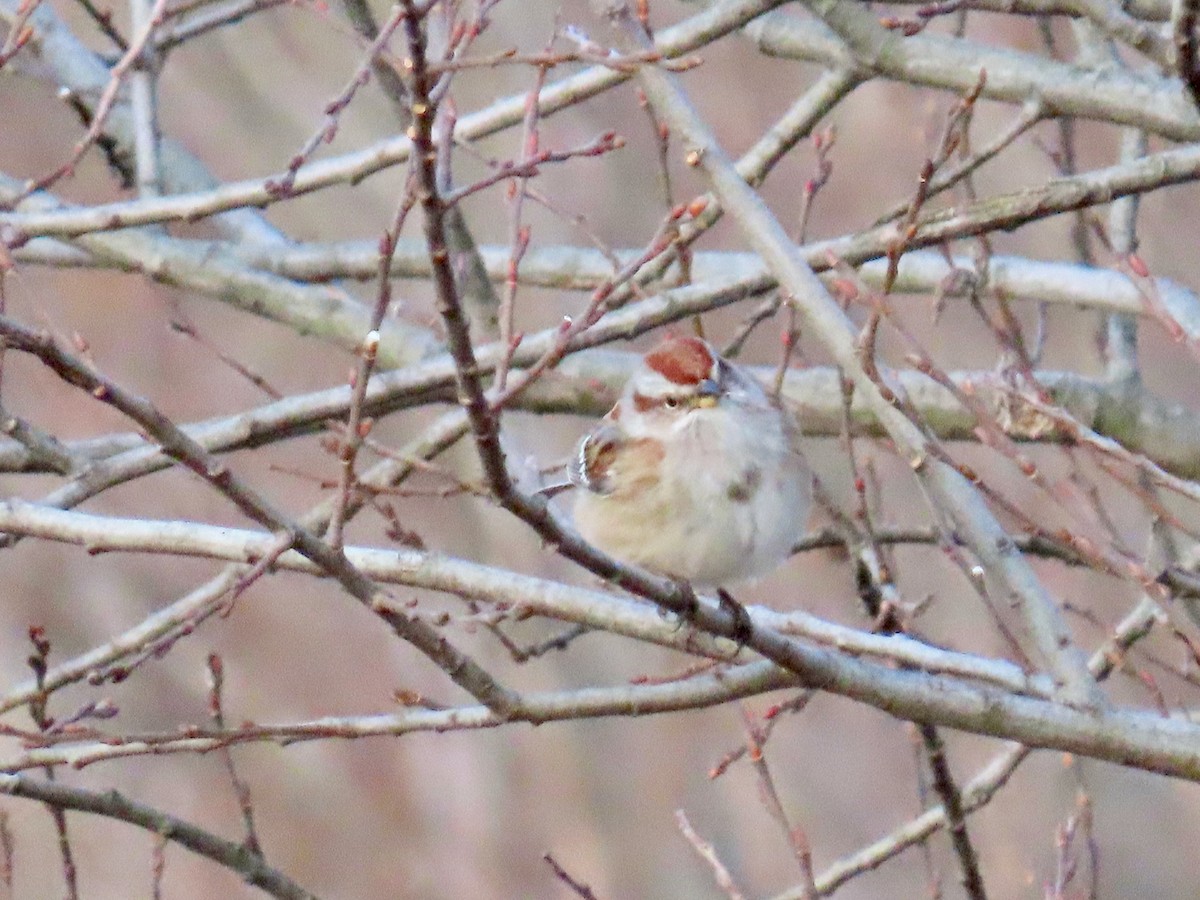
(112,805)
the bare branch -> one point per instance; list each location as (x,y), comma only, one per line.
(113,805)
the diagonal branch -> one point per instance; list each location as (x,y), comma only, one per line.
(112,805)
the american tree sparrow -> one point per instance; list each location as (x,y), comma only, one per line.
(696,473)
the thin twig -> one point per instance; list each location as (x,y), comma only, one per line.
(113,805)
(709,854)
(519,233)
(1184,15)
(952,803)
(796,835)
(282,186)
(241,790)
(577,887)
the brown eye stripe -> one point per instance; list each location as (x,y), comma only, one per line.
(642,403)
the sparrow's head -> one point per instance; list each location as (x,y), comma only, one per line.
(679,375)
(685,374)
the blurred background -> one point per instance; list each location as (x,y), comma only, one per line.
(470,814)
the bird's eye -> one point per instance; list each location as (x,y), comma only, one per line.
(671,402)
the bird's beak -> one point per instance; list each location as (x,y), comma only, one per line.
(707,394)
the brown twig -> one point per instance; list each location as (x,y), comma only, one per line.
(182,324)
(796,835)
(577,887)
(1184,15)
(241,790)
(772,717)
(19,31)
(113,805)
(822,143)
(519,233)
(39,662)
(958,123)
(956,822)
(175,33)
(282,186)
(922,16)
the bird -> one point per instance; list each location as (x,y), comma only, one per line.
(696,473)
